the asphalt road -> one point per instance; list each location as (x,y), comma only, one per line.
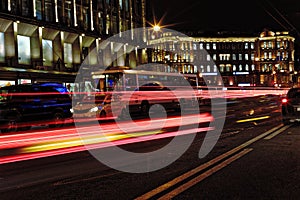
(246,163)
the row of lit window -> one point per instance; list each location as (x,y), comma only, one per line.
(280,55)
(233,46)
(24,53)
(201,57)
(279,44)
(207,46)
(214,69)
(225,68)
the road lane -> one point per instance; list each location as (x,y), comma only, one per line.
(205,166)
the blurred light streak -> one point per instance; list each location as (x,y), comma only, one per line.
(87,140)
(27,139)
(22,157)
(252,119)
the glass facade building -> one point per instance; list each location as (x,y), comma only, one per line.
(43,40)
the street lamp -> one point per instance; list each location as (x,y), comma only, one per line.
(156,28)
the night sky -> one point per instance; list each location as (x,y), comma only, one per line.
(228,15)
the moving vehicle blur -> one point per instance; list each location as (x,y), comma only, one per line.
(23,105)
(140,89)
(94,107)
(291,106)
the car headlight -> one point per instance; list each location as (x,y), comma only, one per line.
(95,109)
(72,110)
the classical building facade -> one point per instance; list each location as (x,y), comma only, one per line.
(263,60)
(47,40)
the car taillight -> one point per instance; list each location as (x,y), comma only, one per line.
(284,100)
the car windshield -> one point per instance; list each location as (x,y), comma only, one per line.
(99,98)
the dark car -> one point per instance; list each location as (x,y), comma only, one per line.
(22,106)
(291,106)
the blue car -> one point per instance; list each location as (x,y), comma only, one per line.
(25,105)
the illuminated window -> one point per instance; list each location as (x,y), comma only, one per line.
(207,46)
(270,67)
(252,45)
(278,55)
(2,49)
(265,44)
(195,46)
(24,49)
(68,58)
(208,68)
(107,30)
(221,68)
(270,55)
(121,4)
(215,57)
(278,44)
(208,58)
(233,56)
(265,55)
(214,46)
(252,67)
(201,68)
(270,44)
(265,68)
(247,67)
(227,56)
(47,52)
(38,9)
(201,45)
(252,56)
(221,56)
(240,68)
(246,45)
(215,68)
(228,68)
(240,56)
(175,57)
(246,57)
(234,68)
(195,69)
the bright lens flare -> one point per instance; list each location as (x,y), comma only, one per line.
(156,28)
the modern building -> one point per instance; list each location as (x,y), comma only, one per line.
(263,60)
(47,40)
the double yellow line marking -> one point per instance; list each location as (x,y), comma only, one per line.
(239,152)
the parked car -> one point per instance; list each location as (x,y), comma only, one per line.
(291,106)
(22,106)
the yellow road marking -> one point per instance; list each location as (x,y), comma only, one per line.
(253,119)
(277,132)
(205,165)
(204,175)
